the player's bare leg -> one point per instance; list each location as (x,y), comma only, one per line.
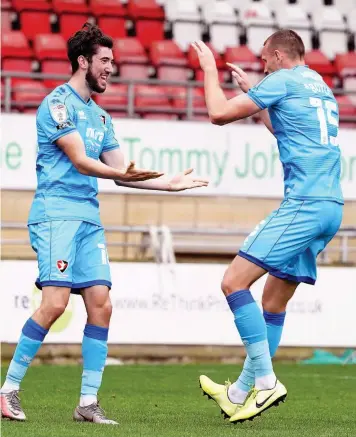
(98,305)
(53,304)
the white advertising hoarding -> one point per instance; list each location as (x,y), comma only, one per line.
(183,304)
(239,160)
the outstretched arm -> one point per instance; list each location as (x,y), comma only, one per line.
(221,110)
(182,181)
(73,146)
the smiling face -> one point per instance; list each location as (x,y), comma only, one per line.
(99,69)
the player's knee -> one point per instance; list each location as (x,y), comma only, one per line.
(233,282)
(103,309)
(273,304)
(53,310)
(228,283)
(107,309)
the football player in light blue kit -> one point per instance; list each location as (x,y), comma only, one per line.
(64,223)
(300,110)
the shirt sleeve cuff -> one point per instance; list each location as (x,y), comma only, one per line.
(62,133)
(256,100)
(111,147)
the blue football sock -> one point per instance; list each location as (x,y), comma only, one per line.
(274,323)
(95,350)
(253,331)
(30,341)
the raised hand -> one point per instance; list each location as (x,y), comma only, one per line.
(182,181)
(132,174)
(240,77)
(205,55)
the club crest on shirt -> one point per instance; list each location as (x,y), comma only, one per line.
(59,112)
(62,265)
(103,119)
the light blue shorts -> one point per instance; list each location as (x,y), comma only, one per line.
(288,241)
(70,253)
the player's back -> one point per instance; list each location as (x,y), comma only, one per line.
(62,192)
(305,119)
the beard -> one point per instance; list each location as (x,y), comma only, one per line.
(93,82)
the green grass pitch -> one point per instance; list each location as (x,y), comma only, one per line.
(166,401)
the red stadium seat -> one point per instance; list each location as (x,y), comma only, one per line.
(316,60)
(111,8)
(148,16)
(169,60)
(118,114)
(173,73)
(71,23)
(346,64)
(193,60)
(50,46)
(113,26)
(148,97)
(42,20)
(6,5)
(6,20)
(131,58)
(129,50)
(179,97)
(15,45)
(31,5)
(71,6)
(329,80)
(27,93)
(346,107)
(159,116)
(199,75)
(13,64)
(148,31)
(166,53)
(115,96)
(146,9)
(134,71)
(55,67)
(73,14)
(243,56)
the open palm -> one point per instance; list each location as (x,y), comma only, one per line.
(183,181)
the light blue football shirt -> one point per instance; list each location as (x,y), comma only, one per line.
(62,192)
(305,118)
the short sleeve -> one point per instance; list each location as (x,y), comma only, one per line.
(269,91)
(111,142)
(55,119)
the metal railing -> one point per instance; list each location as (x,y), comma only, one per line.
(165,243)
(186,108)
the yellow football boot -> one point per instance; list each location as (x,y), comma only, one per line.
(259,401)
(218,393)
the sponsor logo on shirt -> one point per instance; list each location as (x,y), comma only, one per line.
(64,125)
(59,112)
(95,134)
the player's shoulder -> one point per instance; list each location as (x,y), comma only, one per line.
(275,77)
(58,96)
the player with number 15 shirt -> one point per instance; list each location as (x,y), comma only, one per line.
(300,110)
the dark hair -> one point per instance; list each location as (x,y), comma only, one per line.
(287,40)
(85,42)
